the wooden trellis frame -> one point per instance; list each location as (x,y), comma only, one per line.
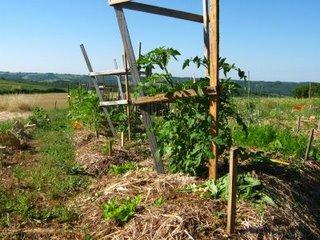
(210,21)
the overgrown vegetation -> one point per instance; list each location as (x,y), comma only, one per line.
(45,177)
(190,152)
(248,188)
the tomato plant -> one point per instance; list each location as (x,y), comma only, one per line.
(184,133)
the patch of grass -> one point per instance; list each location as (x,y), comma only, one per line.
(6,126)
(47,177)
(271,139)
(121,210)
(121,169)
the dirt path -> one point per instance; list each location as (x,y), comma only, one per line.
(5,116)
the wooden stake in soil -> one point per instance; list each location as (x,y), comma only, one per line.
(122,139)
(126,79)
(298,123)
(214,81)
(306,156)
(110,147)
(232,198)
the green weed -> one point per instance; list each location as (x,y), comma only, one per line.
(248,188)
(121,210)
(123,168)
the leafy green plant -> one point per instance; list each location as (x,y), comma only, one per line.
(123,168)
(84,108)
(248,188)
(184,133)
(121,210)
(159,202)
(40,117)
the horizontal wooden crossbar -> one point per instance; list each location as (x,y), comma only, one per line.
(108,73)
(115,72)
(158,10)
(162,98)
(114,103)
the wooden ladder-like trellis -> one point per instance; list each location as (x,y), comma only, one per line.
(209,19)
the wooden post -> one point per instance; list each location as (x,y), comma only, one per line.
(306,156)
(110,147)
(206,30)
(118,80)
(232,197)
(158,164)
(122,139)
(55,104)
(126,79)
(298,123)
(214,81)
(95,83)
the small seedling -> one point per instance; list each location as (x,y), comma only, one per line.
(121,210)
(121,169)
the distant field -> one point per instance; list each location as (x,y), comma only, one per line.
(26,102)
(9,86)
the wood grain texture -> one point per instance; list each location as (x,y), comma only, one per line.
(162,11)
(113,2)
(170,97)
(214,81)
(158,164)
(232,194)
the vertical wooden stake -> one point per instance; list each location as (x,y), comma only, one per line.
(306,156)
(298,123)
(95,83)
(110,147)
(122,139)
(126,79)
(55,104)
(232,198)
(214,81)
(122,23)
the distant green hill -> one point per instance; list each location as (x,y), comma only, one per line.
(60,82)
(12,86)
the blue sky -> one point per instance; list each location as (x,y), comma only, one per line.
(277,40)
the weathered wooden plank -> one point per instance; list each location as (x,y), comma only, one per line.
(136,79)
(214,81)
(232,197)
(162,98)
(113,103)
(162,11)
(113,72)
(113,2)
(170,97)
(311,137)
(95,83)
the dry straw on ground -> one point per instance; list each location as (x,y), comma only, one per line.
(26,102)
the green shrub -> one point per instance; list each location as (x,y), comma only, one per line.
(121,210)
(123,168)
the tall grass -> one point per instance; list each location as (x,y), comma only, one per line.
(26,102)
